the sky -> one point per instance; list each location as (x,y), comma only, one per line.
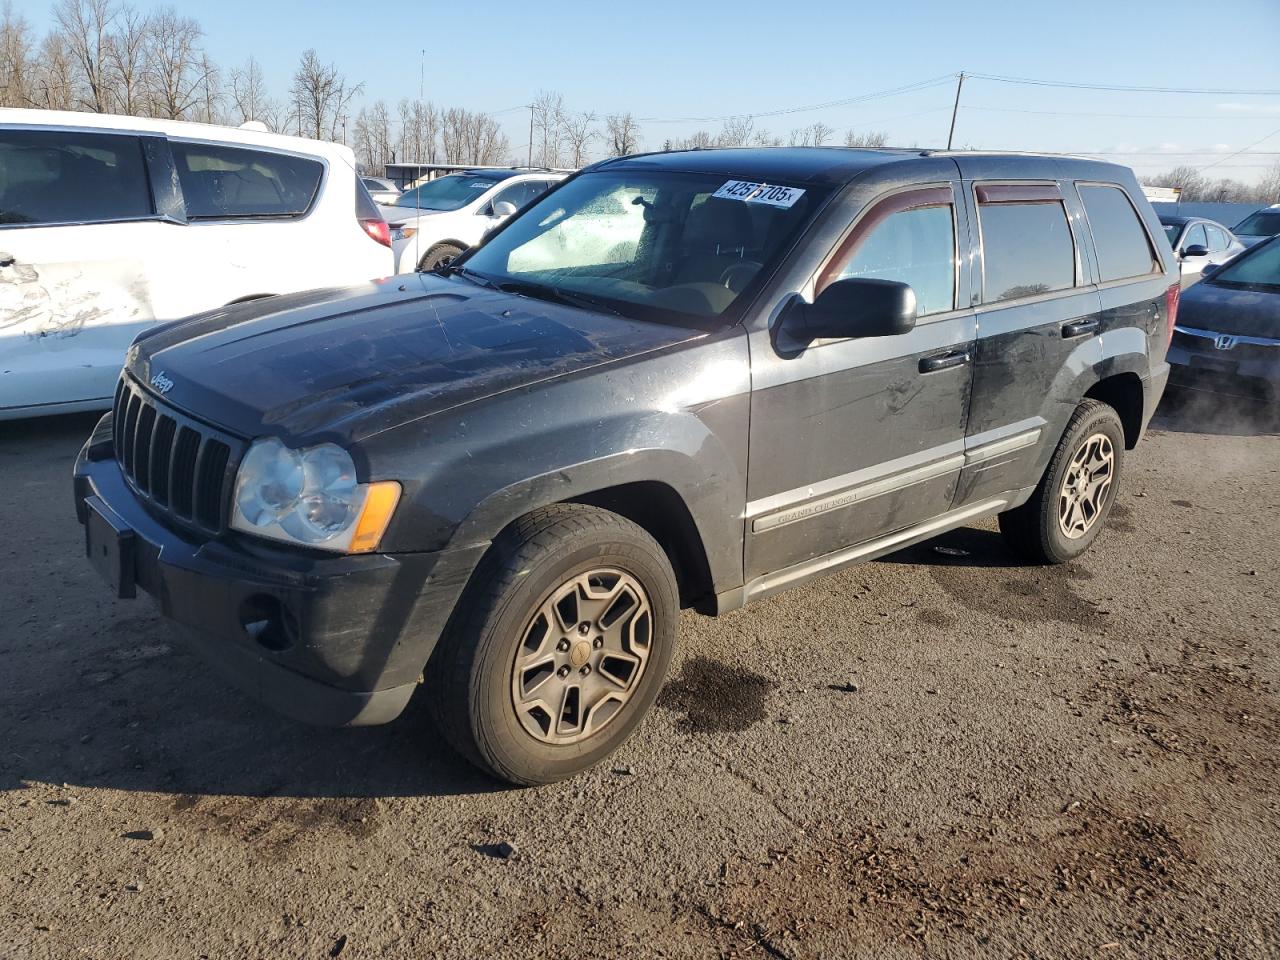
(667,60)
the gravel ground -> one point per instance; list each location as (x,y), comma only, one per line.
(941,753)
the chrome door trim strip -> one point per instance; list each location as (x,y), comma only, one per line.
(998,448)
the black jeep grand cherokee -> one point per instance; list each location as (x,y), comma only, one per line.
(681,379)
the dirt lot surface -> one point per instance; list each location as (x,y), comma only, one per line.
(947,754)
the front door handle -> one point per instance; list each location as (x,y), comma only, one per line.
(1079,328)
(942,361)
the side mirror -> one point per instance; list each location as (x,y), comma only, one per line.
(1195,250)
(503,208)
(857,307)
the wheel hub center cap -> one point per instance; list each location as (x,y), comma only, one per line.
(580,653)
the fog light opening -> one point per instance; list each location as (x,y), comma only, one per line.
(267,623)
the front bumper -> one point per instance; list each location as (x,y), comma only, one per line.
(329,640)
(1245,367)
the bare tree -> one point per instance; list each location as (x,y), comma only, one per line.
(322,96)
(373,137)
(174,74)
(127,52)
(17,69)
(872,138)
(248,92)
(1269,185)
(419,131)
(209,109)
(736,132)
(548,119)
(579,133)
(1187,178)
(623,133)
(763,138)
(54,85)
(86,28)
(814,135)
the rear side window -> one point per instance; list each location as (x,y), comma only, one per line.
(220,183)
(1217,239)
(916,247)
(49,177)
(1026,242)
(1118,237)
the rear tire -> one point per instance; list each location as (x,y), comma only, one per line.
(441,255)
(540,620)
(1074,497)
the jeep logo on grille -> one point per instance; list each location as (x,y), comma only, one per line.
(161,383)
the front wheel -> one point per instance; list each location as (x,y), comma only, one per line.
(1071,502)
(565,641)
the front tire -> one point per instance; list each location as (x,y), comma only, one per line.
(563,643)
(1074,497)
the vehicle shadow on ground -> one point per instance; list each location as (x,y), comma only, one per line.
(98,692)
(962,547)
(1190,411)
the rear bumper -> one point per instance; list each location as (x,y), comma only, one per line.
(329,640)
(1220,372)
(1153,388)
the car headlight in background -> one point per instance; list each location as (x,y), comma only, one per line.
(311,498)
(402,233)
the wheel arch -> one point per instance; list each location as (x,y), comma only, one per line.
(1123,392)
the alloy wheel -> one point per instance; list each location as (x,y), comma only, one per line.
(1086,486)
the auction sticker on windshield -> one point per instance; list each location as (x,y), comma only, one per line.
(748,192)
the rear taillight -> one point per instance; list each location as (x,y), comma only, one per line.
(1171,306)
(378,230)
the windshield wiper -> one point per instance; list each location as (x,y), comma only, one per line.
(476,278)
(583,301)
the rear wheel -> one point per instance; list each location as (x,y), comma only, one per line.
(567,635)
(441,255)
(1074,497)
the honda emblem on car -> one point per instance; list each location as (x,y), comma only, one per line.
(1224,341)
(162,383)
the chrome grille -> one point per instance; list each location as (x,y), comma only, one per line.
(182,467)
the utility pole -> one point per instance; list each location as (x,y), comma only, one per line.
(955,109)
(422,76)
(531,135)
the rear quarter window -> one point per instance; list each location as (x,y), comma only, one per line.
(1123,247)
(221,183)
(51,177)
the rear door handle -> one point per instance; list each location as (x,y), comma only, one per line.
(942,361)
(1078,328)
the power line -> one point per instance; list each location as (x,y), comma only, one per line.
(828,105)
(1129,116)
(1242,151)
(1076,85)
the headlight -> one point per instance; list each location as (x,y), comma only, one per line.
(402,233)
(310,497)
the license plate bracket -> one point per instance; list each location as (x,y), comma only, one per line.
(109,544)
(1214,365)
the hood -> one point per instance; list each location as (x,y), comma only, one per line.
(350,363)
(1227,309)
(394,214)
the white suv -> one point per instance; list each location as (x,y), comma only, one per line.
(111,224)
(433,223)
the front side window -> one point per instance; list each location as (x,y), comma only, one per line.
(522,193)
(650,244)
(1027,248)
(220,183)
(446,193)
(1118,236)
(1195,237)
(50,177)
(916,247)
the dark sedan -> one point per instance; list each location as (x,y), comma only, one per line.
(1227,339)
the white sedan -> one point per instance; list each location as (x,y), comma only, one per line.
(435,222)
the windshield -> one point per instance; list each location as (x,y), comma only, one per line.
(1259,267)
(1171,231)
(1264,223)
(446,193)
(649,244)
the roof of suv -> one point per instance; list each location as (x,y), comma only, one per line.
(173,128)
(834,164)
